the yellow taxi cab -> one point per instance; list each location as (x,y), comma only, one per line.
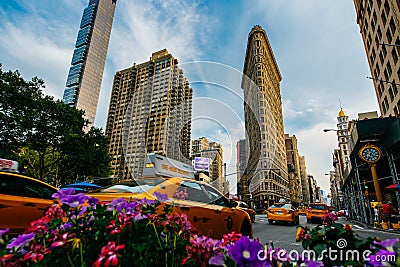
(315,212)
(248,209)
(22,200)
(282,212)
(302,210)
(208,210)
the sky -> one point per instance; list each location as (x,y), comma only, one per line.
(317,46)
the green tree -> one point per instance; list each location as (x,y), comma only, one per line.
(46,136)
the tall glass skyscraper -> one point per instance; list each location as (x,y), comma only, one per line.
(87,65)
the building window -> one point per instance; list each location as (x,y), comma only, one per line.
(398,105)
(386,75)
(383,17)
(394,86)
(396,111)
(394,55)
(379,33)
(374,19)
(391,94)
(389,36)
(392,25)
(381,57)
(373,55)
(386,6)
(385,105)
(389,68)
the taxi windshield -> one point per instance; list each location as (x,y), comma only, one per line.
(317,207)
(131,186)
(280,206)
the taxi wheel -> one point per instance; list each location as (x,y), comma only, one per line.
(308,220)
(246,229)
(270,221)
(253,218)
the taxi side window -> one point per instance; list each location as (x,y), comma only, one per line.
(243,205)
(38,190)
(216,198)
(191,191)
(10,185)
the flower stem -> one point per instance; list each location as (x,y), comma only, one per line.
(81,250)
(70,261)
(155,231)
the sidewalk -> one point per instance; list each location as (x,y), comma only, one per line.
(368,226)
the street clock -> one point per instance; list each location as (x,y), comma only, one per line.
(370,153)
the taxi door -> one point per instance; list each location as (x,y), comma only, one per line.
(37,199)
(11,203)
(206,217)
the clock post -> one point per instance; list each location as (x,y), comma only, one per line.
(376,182)
(371,155)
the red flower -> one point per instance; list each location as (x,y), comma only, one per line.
(39,225)
(116,229)
(348,228)
(230,238)
(62,241)
(36,253)
(109,253)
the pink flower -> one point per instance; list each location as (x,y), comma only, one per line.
(54,212)
(202,249)
(329,218)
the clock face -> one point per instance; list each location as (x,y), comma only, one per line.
(370,154)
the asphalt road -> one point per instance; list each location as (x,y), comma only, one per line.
(284,235)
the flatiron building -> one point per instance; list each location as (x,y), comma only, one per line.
(87,65)
(266,170)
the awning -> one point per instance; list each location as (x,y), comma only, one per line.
(393,187)
(83,185)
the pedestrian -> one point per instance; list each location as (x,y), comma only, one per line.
(376,212)
(388,210)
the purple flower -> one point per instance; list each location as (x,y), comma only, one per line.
(18,243)
(145,201)
(74,200)
(217,260)
(382,254)
(66,225)
(387,244)
(245,252)
(310,263)
(63,192)
(121,205)
(160,197)
(2,232)
(93,201)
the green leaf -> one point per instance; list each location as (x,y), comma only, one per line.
(306,243)
(319,247)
